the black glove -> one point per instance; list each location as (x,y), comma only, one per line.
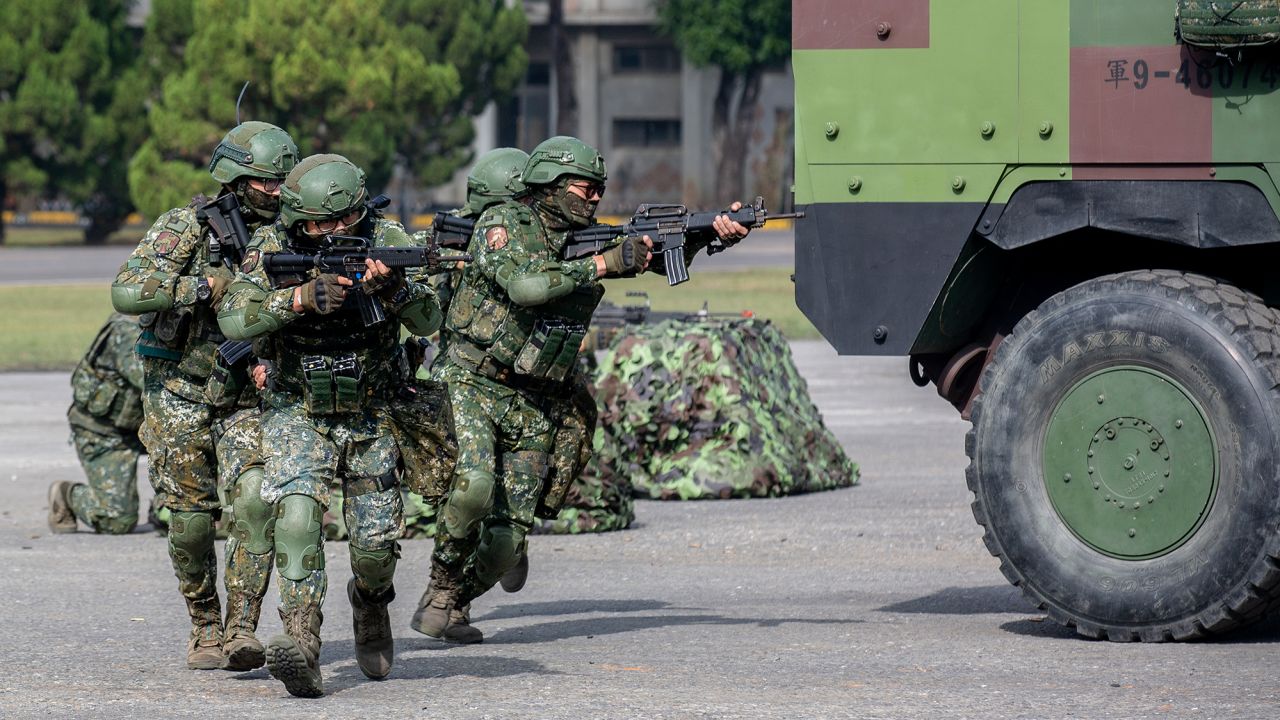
(384,286)
(627,259)
(323,295)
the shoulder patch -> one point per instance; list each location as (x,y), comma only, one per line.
(496,237)
(250,261)
(166,241)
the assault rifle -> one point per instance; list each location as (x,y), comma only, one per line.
(346,255)
(669,226)
(230,235)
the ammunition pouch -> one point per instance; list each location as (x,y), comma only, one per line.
(333,385)
(106,396)
(551,350)
(155,327)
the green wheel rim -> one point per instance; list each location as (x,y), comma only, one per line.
(1130,462)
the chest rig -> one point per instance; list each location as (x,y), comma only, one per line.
(335,362)
(510,342)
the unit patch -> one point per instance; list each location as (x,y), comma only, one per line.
(166,242)
(496,237)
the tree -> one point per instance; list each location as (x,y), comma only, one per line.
(384,82)
(743,38)
(64,121)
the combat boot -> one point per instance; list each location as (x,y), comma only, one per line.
(459,629)
(241,647)
(61,518)
(513,579)
(204,649)
(375,647)
(436,616)
(294,658)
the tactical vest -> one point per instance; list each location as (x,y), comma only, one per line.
(101,390)
(335,363)
(540,343)
(189,334)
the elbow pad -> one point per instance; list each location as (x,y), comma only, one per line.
(539,288)
(421,316)
(153,295)
(247,320)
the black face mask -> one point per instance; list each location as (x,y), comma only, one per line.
(567,208)
(263,205)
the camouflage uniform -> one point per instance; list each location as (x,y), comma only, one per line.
(201,433)
(332,389)
(105,414)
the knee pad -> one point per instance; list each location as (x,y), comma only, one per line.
(190,541)
(115,526)
(255,520)
(499,551)
(374,569)
(298,548)
(468,503)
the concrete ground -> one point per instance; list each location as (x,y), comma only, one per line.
(877,601)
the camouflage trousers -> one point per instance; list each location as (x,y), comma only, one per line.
(109,456)
(238,446)
(177,431)
(505,433)
(306,454)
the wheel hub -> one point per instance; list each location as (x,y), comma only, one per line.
(1130,462)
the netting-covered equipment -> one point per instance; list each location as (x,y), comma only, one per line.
(1228,24)
(712,408)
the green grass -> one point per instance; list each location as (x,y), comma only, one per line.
(48,236)
(50,327)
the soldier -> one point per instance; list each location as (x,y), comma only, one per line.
(513,331)
(105,414)
(175,282)
(495,177)
(327,401)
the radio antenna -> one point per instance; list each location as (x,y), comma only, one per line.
(238,99)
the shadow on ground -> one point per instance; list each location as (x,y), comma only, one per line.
(965,601)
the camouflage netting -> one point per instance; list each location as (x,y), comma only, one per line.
(1225,24)
(713,409)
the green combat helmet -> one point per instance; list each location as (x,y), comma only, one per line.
(552,164)
(494,177)
(322,187)
(254,150)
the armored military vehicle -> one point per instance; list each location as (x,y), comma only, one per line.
(1066,214)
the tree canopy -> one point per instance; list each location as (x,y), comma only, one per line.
(743,38)
(65,70)
(380,81)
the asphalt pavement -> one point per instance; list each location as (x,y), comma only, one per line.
(877,601)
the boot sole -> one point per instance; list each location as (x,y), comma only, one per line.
(246,657)
(55,498)
(287,664)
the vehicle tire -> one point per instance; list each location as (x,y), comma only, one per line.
(1125,457)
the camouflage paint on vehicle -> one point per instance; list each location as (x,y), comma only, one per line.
(917,122)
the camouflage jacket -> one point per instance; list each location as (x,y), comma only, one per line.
(159,282)
(331,363)
(519,310)
(107,383)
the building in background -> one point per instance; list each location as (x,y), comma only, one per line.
(635,98)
